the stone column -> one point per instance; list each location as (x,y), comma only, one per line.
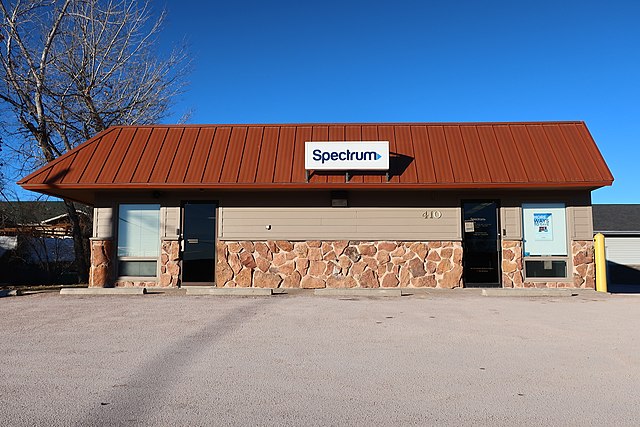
(512,269)
(170,263)
(583,264)
(101,270)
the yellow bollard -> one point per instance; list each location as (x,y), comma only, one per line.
(601,263)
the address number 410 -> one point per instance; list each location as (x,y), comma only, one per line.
(432,214)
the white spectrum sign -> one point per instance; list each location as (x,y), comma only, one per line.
(346,155)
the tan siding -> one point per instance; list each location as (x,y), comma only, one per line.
(103,223)
(338,224)
(169,222)
(580,222)
(511,218)
(283,214)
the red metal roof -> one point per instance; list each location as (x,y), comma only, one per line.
(432,155)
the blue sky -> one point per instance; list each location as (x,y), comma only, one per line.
(396,61)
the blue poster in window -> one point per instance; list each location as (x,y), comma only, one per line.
(543,228)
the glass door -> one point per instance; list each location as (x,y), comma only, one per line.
(199,243)
(481,244)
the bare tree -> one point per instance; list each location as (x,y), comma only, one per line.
(110,70)
(73,68)
(2,166)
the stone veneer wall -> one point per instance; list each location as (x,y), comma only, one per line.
(338,264)
(170,263)
(583,274)
(101,269)
(584,266)
(512,268)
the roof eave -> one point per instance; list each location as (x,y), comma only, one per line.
(51,189)
(618,233)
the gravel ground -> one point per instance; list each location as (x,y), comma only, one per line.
(451,359)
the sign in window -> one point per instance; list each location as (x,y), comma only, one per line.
(545,229)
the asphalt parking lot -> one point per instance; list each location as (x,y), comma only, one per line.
(449,359)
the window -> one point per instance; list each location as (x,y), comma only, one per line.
(138,239)
(545,241)
(545,268)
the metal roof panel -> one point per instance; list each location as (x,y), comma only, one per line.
(544,150)
(268,150)
(531,165)
(143,169)
(252,147)
(96,162)
(475,154)
(510,154)
(283,162)
(492,154)
(404,146)
(133,156)
(217,155)
(182,160)
(201,149)
(303,134)
(116,156)
(457,154)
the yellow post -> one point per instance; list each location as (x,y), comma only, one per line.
(601,263)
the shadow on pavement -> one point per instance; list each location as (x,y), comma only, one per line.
(623,279)
(623,289)
(157,375)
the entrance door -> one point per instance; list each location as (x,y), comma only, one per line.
(481,243)
(199,250)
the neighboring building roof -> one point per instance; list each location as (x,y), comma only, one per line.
(31,212)
(427,155)
(39,216)
(614,219)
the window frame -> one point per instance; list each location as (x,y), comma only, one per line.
(546,278)
(120,259)
(567,258)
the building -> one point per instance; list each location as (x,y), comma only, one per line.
(36,244)
(337,205)
(620,225)
(38,218)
